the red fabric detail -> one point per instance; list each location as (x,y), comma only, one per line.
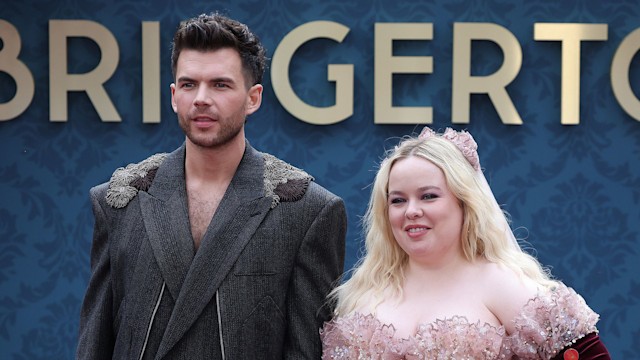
(571,354)
(589,347)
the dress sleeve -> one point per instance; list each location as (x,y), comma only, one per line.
(589,347)
(554,320)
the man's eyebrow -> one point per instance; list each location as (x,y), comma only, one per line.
(222,79)
(184,79)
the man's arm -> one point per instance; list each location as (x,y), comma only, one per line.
(319,265)
(96,338)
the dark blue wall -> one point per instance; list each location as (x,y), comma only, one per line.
(573,190)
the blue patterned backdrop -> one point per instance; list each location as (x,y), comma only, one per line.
(573,191)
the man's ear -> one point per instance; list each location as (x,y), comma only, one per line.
(173,100)
(254,98)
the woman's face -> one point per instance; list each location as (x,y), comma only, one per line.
(425,217)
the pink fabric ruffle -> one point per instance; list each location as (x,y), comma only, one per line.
(547,324)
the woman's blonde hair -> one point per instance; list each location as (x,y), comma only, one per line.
(380,272)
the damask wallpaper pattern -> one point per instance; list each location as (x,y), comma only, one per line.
(573,192)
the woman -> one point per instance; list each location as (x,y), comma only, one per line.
(443,276)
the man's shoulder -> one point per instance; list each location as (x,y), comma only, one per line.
(287,183)
(284,182)
(126,182)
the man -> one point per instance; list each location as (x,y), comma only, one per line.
(214,251)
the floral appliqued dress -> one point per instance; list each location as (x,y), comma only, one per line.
(547,324)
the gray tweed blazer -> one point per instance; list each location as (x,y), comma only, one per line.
(255,289)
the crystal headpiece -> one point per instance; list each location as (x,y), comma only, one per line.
(461,139)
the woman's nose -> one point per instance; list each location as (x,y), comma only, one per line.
(413,211)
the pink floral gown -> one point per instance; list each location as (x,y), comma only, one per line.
(547,324)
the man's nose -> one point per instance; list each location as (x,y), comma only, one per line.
(203,97)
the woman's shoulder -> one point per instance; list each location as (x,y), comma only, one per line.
(505,292)
(497,278)
(539,319)
(556,314)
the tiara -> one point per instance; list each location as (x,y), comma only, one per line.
(461,139)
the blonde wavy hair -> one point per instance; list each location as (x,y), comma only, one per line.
(380,273)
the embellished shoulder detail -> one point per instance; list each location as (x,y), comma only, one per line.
(126,182)
(553,320)
(282,181)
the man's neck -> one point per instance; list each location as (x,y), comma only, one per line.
(213,165)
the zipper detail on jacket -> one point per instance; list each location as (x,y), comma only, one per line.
(155,310)
(220,324)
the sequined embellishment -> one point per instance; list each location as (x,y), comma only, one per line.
(548,323)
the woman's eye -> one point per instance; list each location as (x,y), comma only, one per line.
(429,196)
(396,200)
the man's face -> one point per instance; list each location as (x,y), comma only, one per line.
(211,97)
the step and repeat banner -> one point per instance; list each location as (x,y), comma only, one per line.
(550,91)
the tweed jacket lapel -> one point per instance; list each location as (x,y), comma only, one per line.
(166,219)
(239,214)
